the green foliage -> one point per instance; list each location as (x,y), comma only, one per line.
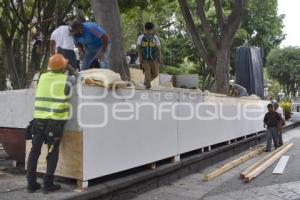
(187,67)
(274,89)
(283,65)
(287,108)
(262,25)
(171,70)
(274,86)
(19,21)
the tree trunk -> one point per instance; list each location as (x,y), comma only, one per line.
(219,46)
(14,77)
(2,69)
(23,71)
(222,72)
(107,15)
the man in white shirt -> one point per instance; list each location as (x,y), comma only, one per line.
(62,42)
(279,110)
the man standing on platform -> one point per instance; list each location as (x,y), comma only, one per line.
(62,42)
(149,53)
(93,43)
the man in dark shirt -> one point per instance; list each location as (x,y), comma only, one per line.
(271,120)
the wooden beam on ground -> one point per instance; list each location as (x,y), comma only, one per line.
(281,165)
(256,164)
(233,164)
(267,163)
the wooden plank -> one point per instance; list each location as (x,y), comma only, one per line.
(267,163)
(175,159)
(81,186)
(259,162)
(152,166)
(233,164)
(281,165)
(70,163)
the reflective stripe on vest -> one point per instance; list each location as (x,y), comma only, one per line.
(148,47)
(50,99)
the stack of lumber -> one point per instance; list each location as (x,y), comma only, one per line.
(259,166)
(256,168)
(234,163)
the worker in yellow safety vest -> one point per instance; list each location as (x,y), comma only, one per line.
(51,112)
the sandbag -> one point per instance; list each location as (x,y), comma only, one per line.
(102,78)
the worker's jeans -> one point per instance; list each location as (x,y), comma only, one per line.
(272,134)
(50,131)
(91,55)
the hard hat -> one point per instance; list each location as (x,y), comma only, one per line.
(133,46)
(57,62)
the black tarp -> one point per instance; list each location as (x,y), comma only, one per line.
(249,69)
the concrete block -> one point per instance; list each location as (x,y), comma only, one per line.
(190,81)
(166,79)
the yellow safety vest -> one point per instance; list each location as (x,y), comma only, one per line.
(50,99)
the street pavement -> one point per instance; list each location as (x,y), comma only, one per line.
(229,186)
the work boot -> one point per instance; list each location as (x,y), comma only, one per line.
(51,188)
(147,86)
(33,187)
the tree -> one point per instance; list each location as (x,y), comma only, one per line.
(2,69)
(283,65)
(263,25)
(107,14)
(18,19)
(216,52)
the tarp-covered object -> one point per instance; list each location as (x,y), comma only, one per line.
(249,70)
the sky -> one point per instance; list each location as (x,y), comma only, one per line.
(291,9)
